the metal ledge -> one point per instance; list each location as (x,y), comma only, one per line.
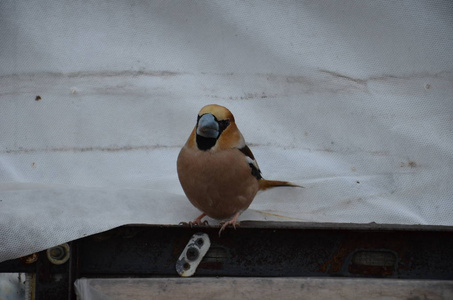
(255,249)
(264,288)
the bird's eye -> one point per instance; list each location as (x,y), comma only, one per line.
(223,124)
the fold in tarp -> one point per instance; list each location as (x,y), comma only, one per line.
(354,101)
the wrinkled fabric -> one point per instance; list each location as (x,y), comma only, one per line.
(352,100)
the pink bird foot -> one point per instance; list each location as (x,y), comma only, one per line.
(232,221)
(196,222)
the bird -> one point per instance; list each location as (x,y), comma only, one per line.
(217,170)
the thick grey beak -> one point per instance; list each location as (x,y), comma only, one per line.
(208,126)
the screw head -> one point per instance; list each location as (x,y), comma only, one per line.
(199,242)
(59,255)
(192,253)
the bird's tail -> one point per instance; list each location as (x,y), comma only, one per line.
(267,184)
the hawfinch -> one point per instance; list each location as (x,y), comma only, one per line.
(217,170)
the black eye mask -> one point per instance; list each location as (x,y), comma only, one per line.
(205,143)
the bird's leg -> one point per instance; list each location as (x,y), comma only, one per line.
(232,221)
(197,221)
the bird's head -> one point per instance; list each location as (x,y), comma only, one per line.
(216,129)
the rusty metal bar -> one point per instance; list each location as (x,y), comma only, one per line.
(256,249)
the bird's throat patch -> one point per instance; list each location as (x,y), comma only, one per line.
(204,143)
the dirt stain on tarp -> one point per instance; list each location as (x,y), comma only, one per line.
(88,149)
(122,73)
(410,164)
(335,74)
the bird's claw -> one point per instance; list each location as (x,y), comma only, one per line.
(199,223)
(226,223)
(194,223)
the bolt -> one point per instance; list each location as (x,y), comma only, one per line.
(186,266)
(192,253)
(57,252)
(199,242)
(59,255)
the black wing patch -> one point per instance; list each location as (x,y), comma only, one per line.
(256,172)
(246,150)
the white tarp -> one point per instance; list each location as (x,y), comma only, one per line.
(351,99)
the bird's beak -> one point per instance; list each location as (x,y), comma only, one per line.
(208,126)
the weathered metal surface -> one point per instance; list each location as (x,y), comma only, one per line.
(250,251)
(253,250)
(266,288)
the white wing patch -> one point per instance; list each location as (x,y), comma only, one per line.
(254,167)
(252,161)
